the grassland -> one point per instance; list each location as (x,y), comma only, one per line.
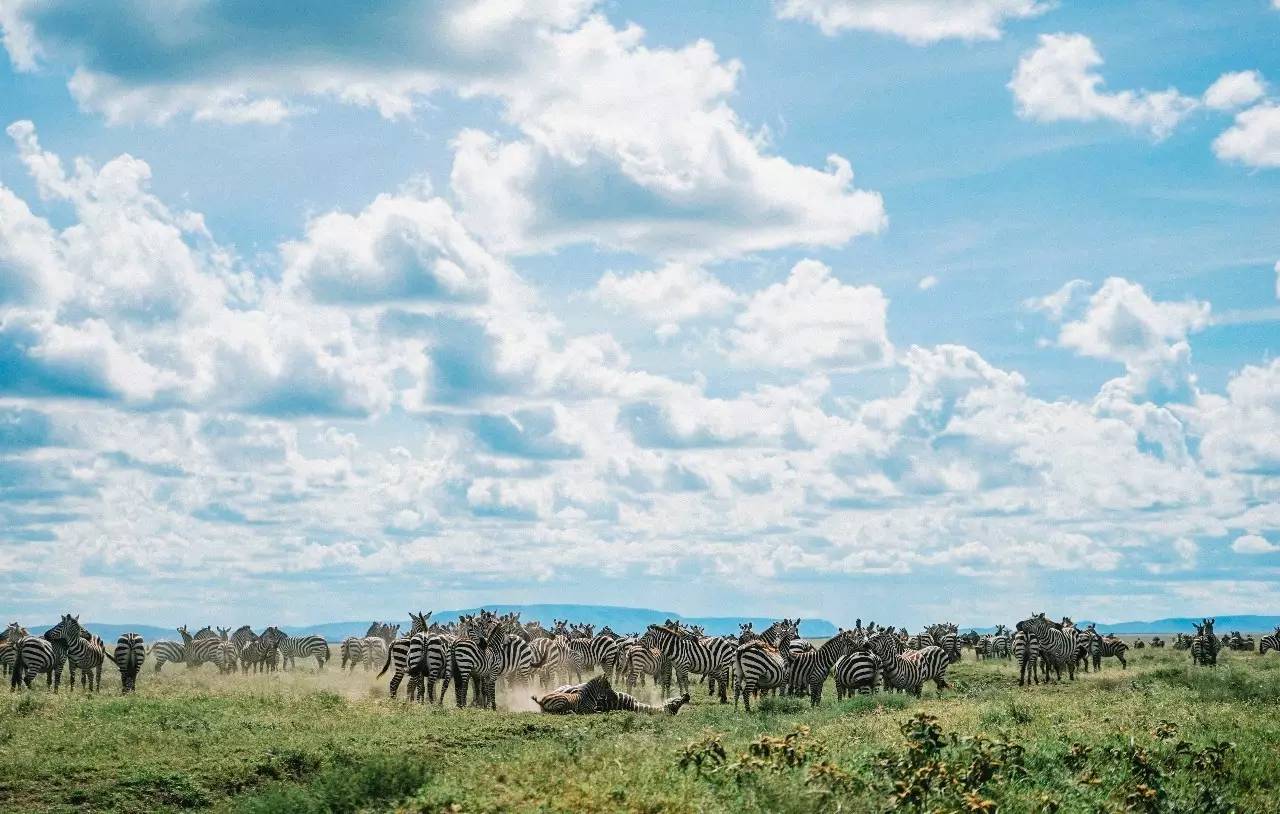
(1160,736)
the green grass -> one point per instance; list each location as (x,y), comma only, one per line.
(1160,736)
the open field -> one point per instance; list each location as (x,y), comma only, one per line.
(1148,738)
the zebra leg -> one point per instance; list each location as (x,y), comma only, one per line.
(395,683)
(1124,665)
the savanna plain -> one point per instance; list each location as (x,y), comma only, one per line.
(1161,736)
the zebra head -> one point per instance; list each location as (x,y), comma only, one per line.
(224,633)
(1208,626)
(186,637)
(70,628)
(419,622)
(14,633)
(745,632)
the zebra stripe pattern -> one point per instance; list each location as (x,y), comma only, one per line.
(128,656)
(1057,648)
(295,647)
(856,673)
(32,655)
(809,669)
(1101,647)
(1205,646)
(908,671)
(85,654)
(1270,642)
(760,666)
(1026,651)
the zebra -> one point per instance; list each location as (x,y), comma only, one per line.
(54,637)
(575,699)
(262,652)
(1080,639)
(397,650)
(1057,649)
(947,637)
(1001,644)
(373,649)
(87,655)
(856,672)
(294,647)
(128,656)
(638,660)
(204,647)
(686,653)
(810,669)
(1100,646)
(596,651)
(622,702)
(32,655)
(166,651)
(1205,646)
(1026,651)
(909,671)
(6,653)
(1156,641)
(1270,642)
(469,662)
(427,662)
(760,666)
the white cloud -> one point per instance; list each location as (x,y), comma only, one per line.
(661,165)
(1057,303)
(1059,81)
(920,22)
(669,295)
(1254,138)
(1235,89)
(1253,544)
(927,282)
(812,319)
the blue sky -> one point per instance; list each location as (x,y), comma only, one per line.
(841,308)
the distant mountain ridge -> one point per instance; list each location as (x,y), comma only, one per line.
(622,620)
(632,620)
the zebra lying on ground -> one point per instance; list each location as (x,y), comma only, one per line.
(597,695)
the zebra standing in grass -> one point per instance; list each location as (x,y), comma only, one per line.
(85,654)
(640,660)
(1057,649)
(54,637)
(810,669)
(1100,647)
(1205,646)
(204,647)
(1000,644)
(32,655)
(909,671)
(686,653)
(128,656)
(304,647)
(426,663)
(166,651)
(1026,651)
(6,651)
(1270,642)
(398,650)
(469,660)
(261,652)
(760,666)
(856,672)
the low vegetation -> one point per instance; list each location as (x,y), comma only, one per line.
(1161,736)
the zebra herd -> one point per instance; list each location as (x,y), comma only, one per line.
(482,652)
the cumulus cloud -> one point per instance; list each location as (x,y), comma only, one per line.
(1253,139)
(674,293)
(1234,90)
(662,166)
(223,62)
(812,319)
(1253,544)
(920,22)
(1059,81)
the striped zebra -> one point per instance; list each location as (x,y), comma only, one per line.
(165,651)
(856,673)
(397,651)
(1057,649)
(53,636)
(128,656)
(597,651)
(1001,644)
(373,649)
(85,654)
(205,647)
(622,702)
(1026,651)
(32,655)
(554,659)
(1105,646)
(262,652)
(639,659)
(469,666)
(304,647)
(686,653)
(908,671)
(426,663)
(1270,642)
(759,665)
(1205,646)
(810,668)
(580,699)
(1081,640)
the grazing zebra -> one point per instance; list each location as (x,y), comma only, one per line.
(1108,646)
(166,651)
(1057,649)
(85,654)
(397,652)
(856,672)
(294,647)
(909,671)
(32,655)
(129,655)
(1205,646)
(1026,651)
(810,669)
(1139,644)
(760,666)
(686,653)
(1270,642)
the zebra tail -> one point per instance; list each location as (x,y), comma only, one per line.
(385,666)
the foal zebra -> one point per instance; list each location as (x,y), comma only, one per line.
(1101,647)
(129,655)
(908,671)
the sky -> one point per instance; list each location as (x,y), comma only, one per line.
(911,311)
